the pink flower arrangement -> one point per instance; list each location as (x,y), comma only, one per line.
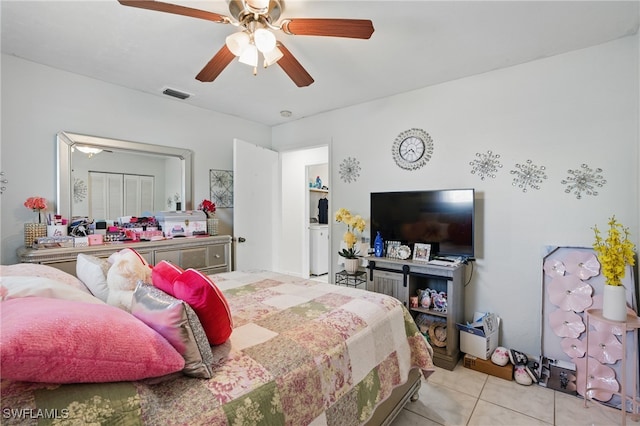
(36,203)
(208,207)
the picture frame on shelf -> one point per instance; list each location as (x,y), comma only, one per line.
(422,252)
(391,249)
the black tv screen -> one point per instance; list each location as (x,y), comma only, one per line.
(444,218)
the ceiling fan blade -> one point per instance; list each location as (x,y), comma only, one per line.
(292,67)
(351,28)
(216,65)
(176,9)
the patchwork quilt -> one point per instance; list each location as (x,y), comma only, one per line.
(301,352)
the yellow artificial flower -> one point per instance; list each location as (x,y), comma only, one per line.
(615,252)
(354,224)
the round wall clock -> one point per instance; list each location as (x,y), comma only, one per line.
(412,149)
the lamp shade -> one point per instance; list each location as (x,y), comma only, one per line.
(249,56)
(272,56)
(264,39)
(237,42)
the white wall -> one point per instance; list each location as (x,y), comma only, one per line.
(39,101)
(559,112)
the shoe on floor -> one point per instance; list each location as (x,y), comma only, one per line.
(517,358)
(532,370)
(521,376)
(500,356)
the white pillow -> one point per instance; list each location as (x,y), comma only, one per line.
(46,271)
(92,271)
(18,287)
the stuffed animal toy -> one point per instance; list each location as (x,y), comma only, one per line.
(127,268)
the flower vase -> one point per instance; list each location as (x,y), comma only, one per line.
(33,231)
(351,265)
(212,226)
(614,302)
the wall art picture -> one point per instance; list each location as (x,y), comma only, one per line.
(221,188)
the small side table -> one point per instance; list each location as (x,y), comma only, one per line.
(631,324)
(351,280)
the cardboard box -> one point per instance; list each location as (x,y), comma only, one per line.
(486,366)
(481,337)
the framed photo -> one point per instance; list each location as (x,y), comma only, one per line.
(391,249)
(422,252)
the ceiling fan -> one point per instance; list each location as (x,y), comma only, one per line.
(256,18)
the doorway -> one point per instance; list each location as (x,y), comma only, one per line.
(318,214)
(296,211)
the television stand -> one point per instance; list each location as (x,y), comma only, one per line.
(403,278)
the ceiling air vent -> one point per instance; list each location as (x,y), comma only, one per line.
(175,93)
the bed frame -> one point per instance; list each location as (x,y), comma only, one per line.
(387,411)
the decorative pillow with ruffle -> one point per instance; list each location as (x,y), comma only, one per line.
(178,323)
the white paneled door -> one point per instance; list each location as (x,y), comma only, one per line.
(255,186)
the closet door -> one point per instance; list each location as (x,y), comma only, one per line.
(147,191)
(114,196)
(131,195)
(97,195)
(138,194)
(105,195)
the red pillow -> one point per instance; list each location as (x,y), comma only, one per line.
(164,274)
(208,302)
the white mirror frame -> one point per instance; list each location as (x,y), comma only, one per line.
(64,181)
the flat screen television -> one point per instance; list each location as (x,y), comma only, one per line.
(443,218)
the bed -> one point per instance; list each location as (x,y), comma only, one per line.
(301,352)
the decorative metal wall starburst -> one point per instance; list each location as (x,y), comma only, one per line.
(349,170)
(528,176)
(585,179)
(486,165)
(79,190)
(221,187)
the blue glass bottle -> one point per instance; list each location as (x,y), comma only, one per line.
(378,245)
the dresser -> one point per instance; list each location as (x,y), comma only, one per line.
(210,255)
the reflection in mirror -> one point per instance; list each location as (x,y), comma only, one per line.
(107,178)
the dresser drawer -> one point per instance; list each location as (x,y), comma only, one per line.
(217,255)
(195,258)
(210,253)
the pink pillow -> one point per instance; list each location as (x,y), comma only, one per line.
(207,300)
(164,274)
(62,341)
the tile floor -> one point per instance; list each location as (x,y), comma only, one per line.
(468,397)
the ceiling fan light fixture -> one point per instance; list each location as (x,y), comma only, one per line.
(264,40)
(249,56)
(272,56)
(90,151)
(238,42)
(257,6)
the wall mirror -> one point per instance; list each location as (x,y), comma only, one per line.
(104,178)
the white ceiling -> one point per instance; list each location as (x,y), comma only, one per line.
(415,44)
